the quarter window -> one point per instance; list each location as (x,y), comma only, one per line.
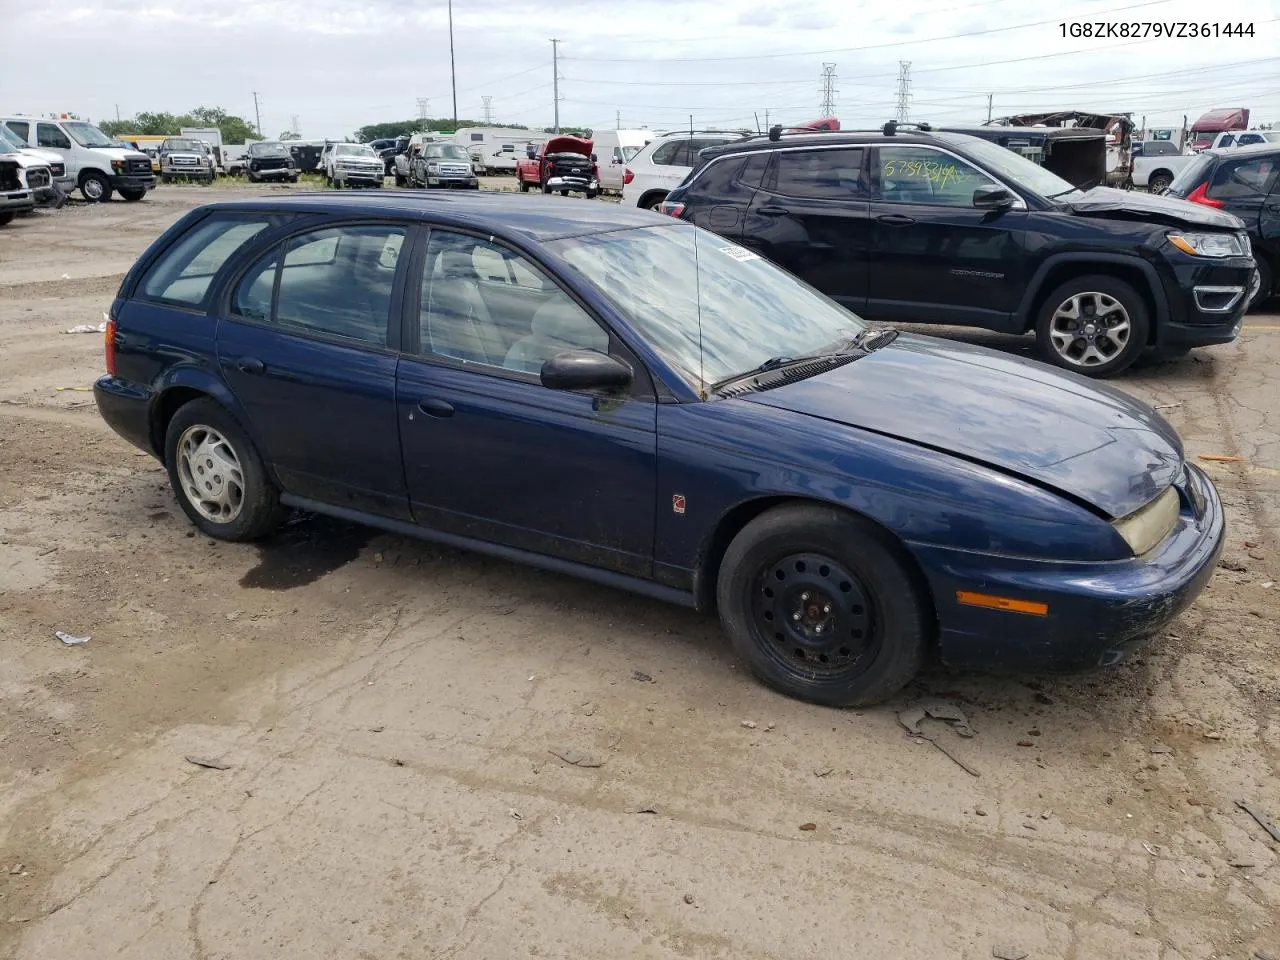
(185,271)
(48,135)
(336,281)
(821,174)
(665,155)
(487,305)
(925,176)
(1244,179)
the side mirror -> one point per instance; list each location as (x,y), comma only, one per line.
(585,370)
(993,198)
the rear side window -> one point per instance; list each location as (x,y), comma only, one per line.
(1244,179)
(821,174)
(668,154)
(184,273)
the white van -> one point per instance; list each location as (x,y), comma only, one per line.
(614,150)
(98,167)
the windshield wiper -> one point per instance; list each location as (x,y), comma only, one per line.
(1062,193)
(861,344)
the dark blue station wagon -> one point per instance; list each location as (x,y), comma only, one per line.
(626,397)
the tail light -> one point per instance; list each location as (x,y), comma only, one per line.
(1200,195)
(627,175)
(109,342)
(671,208)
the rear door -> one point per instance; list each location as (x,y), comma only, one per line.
(720,196)
(307,346)
(934,257)
(810,217)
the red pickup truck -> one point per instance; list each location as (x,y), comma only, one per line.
(560,165)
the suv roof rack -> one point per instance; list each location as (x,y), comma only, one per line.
(891,128)
(673,133)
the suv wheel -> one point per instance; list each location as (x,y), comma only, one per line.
(1095,325)
(95,187)
(220,480)
(652,201)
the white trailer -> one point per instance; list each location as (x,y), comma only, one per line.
(496,148)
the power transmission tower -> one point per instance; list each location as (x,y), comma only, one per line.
(488,110)
(257,114)
(904,90)
(555,79)
(422,114)
(829,91)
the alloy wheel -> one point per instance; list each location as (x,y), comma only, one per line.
(210,474)
(1089,329)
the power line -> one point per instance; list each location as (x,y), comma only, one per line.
(873,46)
(828,91)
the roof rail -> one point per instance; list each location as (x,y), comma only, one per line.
(891,128)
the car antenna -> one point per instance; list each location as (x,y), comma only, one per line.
(757,116)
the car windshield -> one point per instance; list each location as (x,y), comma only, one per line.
(446,151)
(1192,174)
(1011,166)
(86,134)
(192,146)
(9,141)
(354,150)
(268,150)
(713,310)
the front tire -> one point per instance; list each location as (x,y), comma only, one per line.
(133,196)
(1093,325)
(524,186)
(95,187)
(217,474)
(1266,281)
(400,181)
(823,606)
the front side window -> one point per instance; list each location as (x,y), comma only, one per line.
(1244,179)
(48,135)
(668,153)
(336,281)
(485,304)
(183,273)
(922,175)
(21,128)
(821,174)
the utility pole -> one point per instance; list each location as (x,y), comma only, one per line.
(488,110)
(617,120)
(257,113)
(828,106)
(422,114)
(555,79)
(989,96)
(294,120)
(453,77)
(117,113)
(904,90)
(766,119)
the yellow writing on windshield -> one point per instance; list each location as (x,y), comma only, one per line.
(938,173)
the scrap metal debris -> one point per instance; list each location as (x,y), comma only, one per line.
(823,771)
(1261,818)
(1219,458)
(953,716)
(211,763)
(88,328)
(577,758)
(1007,952)
(646,809)
(68,639)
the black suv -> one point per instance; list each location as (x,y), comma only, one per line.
(925,227)
(1244,181)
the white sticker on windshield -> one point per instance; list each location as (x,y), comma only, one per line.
(741,254)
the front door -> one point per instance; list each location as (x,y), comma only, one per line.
(810,217)
(491,454)
(304,346)
(934,257)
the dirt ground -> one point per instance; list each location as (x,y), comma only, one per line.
(387,710)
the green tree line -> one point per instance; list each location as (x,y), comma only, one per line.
(234,129)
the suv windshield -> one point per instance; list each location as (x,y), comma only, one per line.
(267,150)
(445,151)
(354,150)
(713,310)
(1013,167)
(86,134)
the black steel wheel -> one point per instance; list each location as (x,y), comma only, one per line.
(823,605)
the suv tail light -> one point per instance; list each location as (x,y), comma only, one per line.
(671,208)
(1200,195)
(109,342)
(627,175)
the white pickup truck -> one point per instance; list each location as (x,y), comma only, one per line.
(1156,173)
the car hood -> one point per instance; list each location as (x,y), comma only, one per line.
(1107,202)
(568,145)
(1055,429)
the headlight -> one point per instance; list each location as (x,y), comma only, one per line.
(1209,244)
(117,165)
(433,166)
(1150,524)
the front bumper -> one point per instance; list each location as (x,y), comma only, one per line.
(276,173)
(358,176)
(1207,302)
(583,184)
(1098,613)
(132,181)
(15,201)
(454,183)
(126,408)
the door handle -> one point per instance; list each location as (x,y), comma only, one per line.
(250,365)
(772,211)
(895,220)
(435,408)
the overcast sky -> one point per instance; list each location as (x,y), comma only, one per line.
(339,64)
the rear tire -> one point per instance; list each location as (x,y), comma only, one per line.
(823,605)
(1158,181)
(6,216)
(524,186)
(1093,325)
(217,474)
